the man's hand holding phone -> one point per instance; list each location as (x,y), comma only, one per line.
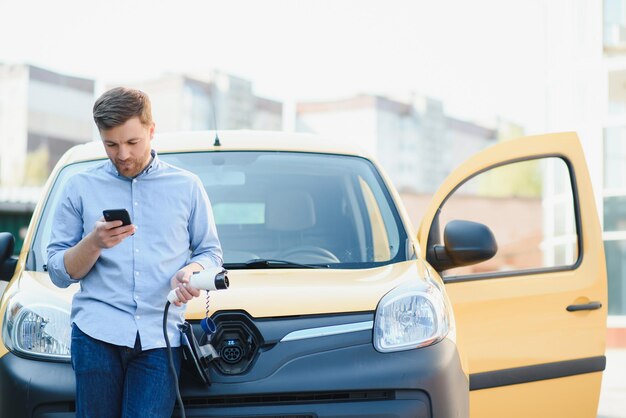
(114,226)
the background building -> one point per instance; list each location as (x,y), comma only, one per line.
(467,138)
(42,114)
(586,92)
(199,101)
(413,139)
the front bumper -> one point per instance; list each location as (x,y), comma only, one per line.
(329,376)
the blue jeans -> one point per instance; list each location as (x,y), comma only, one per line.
(114,381)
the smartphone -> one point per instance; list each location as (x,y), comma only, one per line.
(117,215)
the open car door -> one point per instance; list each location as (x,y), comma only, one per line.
(531,320)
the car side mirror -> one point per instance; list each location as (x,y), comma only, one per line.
(7,261)
(465,243)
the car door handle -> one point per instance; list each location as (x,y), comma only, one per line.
(584,307)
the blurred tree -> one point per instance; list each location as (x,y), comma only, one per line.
(36,168)
(521,179)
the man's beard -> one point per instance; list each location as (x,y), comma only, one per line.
(129,168)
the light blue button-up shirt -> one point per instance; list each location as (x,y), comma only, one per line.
(126,290)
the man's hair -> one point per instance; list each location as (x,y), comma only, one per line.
(116,106)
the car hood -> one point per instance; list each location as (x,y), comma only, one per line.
(281,292)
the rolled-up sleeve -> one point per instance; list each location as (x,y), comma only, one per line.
(67,231)
(204,242)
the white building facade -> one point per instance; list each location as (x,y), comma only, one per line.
(614,156)
(586,93)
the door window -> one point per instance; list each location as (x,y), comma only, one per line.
(529,207)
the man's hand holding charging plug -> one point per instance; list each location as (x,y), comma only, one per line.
(180,282)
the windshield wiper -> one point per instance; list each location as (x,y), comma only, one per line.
(270,263)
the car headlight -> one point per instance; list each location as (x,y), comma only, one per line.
(38,328)
(409,317)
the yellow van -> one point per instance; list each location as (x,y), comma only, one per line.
(338,307)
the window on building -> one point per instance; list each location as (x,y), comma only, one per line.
(199,112)
(615,213)
(616,268)
(615,25)
(614,157)
(617,92)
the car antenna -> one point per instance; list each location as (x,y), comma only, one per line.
(217,142)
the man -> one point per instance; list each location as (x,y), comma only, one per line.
(126,272)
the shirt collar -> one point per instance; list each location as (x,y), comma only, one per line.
(153,165)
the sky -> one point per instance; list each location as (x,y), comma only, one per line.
(482,58)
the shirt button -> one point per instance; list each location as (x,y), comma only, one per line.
(136,296)
(137,317)
(136,250)
(136,203)
(134,180)
(136,273)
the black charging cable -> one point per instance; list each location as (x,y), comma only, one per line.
(171,359)
(217,282)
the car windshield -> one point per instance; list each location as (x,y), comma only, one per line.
(282,209)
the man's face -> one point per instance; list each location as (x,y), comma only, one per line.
(128,146)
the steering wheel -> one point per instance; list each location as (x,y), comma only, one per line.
(309,254)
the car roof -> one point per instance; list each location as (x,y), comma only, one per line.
(230,141)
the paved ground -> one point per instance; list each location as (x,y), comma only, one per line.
(613,393)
